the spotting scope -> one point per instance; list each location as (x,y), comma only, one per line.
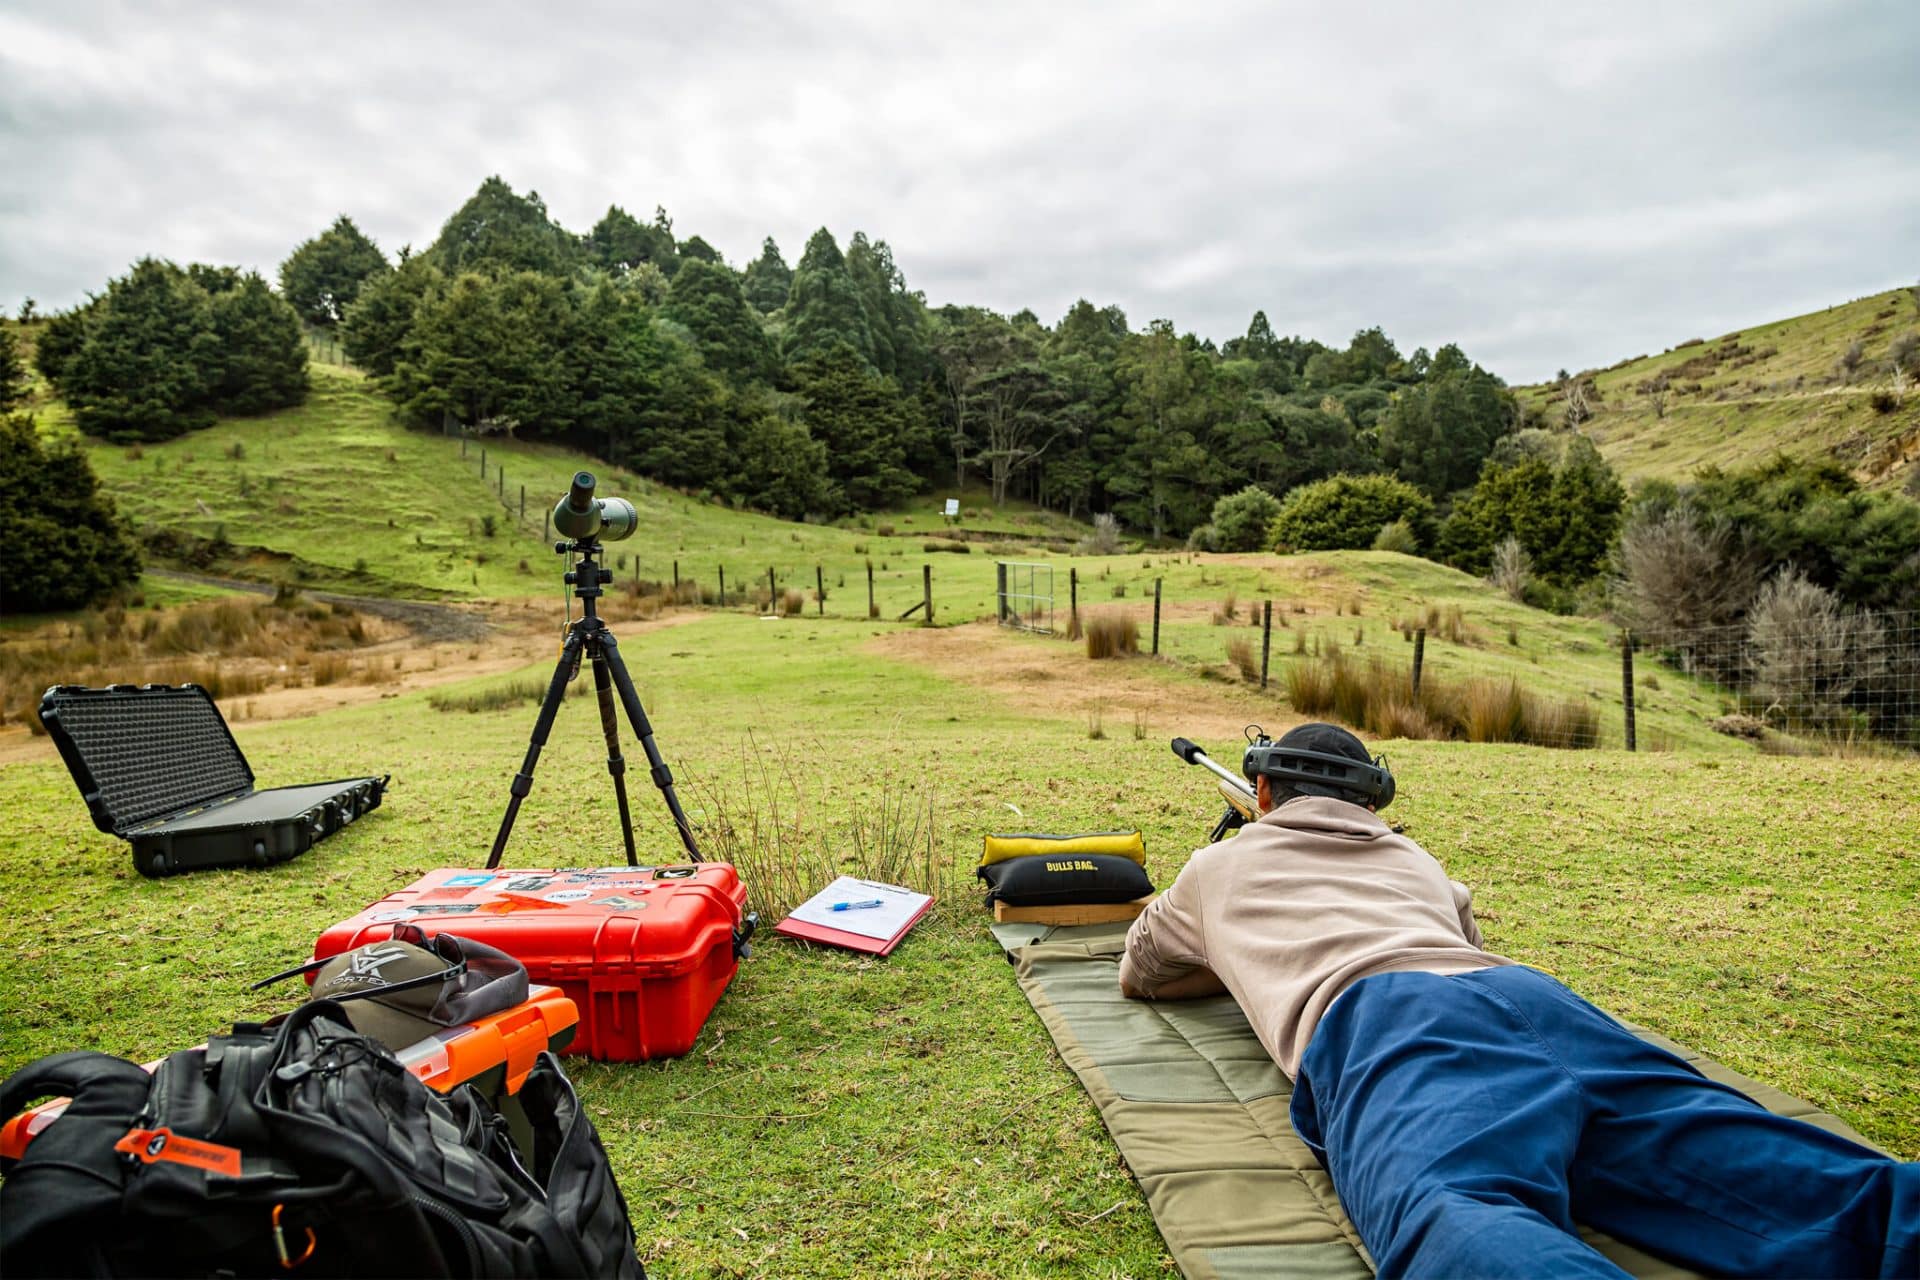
(585,518)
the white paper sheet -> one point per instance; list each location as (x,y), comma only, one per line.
(897,907)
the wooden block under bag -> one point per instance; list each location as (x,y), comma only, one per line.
(1072,913)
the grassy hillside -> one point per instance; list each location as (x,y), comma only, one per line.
(337,494)
(1743,396)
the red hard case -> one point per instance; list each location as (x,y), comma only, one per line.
(643,951)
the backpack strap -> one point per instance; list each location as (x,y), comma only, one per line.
(72,1074)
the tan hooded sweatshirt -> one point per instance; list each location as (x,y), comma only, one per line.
(1296,908)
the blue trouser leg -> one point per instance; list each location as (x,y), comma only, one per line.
(1468,1120)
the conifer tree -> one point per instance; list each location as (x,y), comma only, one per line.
(264,355)
(499,230)
(324,276)
(706,298)
(62,545)
(151,359)
(824,309)
(768,279)
(13,372)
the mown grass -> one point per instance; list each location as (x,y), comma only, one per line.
(844,1116)
(1775,390)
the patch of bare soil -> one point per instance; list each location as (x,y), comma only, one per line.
(444,644)
(1052,677)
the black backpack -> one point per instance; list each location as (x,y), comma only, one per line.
(304,1148)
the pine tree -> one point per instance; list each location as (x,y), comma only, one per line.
(62,545)
(865,426)
(706,298)
(324,276)
(264,364)
(620,242)
(14,381)
(382,316)
(498,230)
(824,309)
(151,359)
(768,279)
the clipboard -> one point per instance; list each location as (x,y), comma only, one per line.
(904,909)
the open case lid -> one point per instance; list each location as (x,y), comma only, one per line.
(140,752)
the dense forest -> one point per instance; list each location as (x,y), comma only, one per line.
(816,390)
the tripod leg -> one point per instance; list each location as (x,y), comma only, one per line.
(610,725)
(549,707)
(643,729)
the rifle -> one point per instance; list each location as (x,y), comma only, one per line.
(1242,806)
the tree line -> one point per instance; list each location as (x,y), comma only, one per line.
(818,390)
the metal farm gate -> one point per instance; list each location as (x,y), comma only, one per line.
(1025,596)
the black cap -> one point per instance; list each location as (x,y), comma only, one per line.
(1329,738)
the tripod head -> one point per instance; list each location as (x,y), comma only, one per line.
(587,575)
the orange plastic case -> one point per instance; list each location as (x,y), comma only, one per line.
(645,952)
(505,1043)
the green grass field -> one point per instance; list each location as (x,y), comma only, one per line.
(1739,398)
(844,1116)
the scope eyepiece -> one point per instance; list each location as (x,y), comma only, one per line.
(580,496)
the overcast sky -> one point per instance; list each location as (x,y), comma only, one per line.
(1548,184)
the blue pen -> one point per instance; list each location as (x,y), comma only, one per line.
(856,906)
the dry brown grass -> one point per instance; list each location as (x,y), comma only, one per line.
(1111,634)
(792,602)
(229,647)
(1378,698)
(1227,611)
(1241,653)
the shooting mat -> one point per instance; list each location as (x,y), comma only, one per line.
(1200,1113)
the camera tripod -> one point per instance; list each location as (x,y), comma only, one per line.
(590,637)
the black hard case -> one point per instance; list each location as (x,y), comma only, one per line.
(158,766)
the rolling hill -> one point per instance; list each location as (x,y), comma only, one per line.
(1744,396)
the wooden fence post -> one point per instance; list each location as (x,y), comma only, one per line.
(1419,656)
(1266,641)
(723,586)
(873,610)
(1073,599)
(483,462)
(1156,617)
(502,473)
(546,526)
(820,589)
(926,590)
(1000,593)
(1626,683)
(773,596)
(523,502)
(676,582)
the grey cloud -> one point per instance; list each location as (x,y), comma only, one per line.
(1548,184)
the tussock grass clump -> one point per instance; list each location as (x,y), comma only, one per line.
(1227,611)
(1240,653)
(1379,699)
(792,602)
(508,694)
(781,823)
(1111,634)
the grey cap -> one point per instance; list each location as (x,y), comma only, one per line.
(388,992)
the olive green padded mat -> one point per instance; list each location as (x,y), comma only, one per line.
(1199,1111)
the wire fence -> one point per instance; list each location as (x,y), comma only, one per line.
(1792,680)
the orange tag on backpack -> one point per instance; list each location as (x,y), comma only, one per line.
(149,1145)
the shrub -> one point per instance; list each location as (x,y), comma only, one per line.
(1105,538)
(1809,655)
(1397,535)
(1511,567)
(1681,573)
(1111,634)
(1346,512)
(1883,401)
(1240,519)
